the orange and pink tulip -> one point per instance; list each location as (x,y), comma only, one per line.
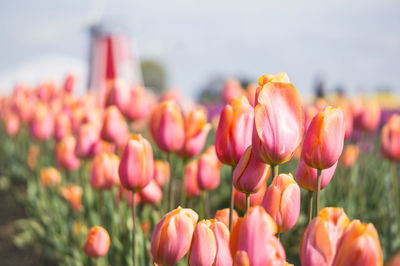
(209,168)
(192,187)
(104,171)
(306,176)
(65,154)
(151,193)
(50,177)
(115,128)
(162,172)
(97,242)
(350,155)
(223,216)
(390,138)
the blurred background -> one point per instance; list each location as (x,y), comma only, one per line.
(196,45)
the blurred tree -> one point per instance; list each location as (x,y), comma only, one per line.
(154,76)
(210,92)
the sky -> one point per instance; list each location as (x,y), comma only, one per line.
(355,44)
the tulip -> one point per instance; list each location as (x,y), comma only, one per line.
(62,126)
(350,155)
(33,153)
(348,119)
(167,126)
(322,236)
(394,260)
(278,123)
(191,185)
(234,130)
(172,236)
(359,246)
(139,104)
(255,198)
(306,176)
(114,128)
(196,131)
(210,244)
(151,193)
(231,89)
(251,94)
(118,94)
(369,117)
(250,174)
(282,201)
(88,141)
(50,177)
(104,171)
(254,234)
(161,172)
(73,194)
(97,242)
(223,216)
(69,83)
(208,174)
(390,138)
(136,168)
(42,125)
(12,124)
(65,155)
(241,259)
(267,78)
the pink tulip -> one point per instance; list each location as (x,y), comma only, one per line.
(62,126)
(223,216)
(167,126)
(12,124)
(69,83)
(151,193)
(282,202)
(139,105)
(390,138)
(210,244)
(323,143)
(118,94)
(306,176)
(192,187)
(136,168)
(42,125)
(369,117)
(255,235)
(267,78)
(275,141)
(114,128)
(234,130)
(73,194)
(250,174)
(65,155)
(161,172)
(172,236)
(232,89)
(208,174)
(88,141)
(97,242)
(104,171)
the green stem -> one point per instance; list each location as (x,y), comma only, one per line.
(183,189)
(274,171)
(171,184)
(394,185)
(310,205)
(231,201)
(133,228)
(247,201)
(319,172)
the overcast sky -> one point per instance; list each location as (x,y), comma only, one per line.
(353,43)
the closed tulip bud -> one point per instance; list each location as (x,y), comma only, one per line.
(282,201)
(241,259)
(234,130)
(139,105)
(104,172)
(65,155)
(62,126)
(250,174)
(161,172)
(118,94)
(322,236)
(12,124)
(42,125)
(172,236)
(97,242)
(254,234)
(69,83)
(88,141)
(115,128)
(348,119)
(255,198)
(50,177)
(167,126)
(278,123)
(390,138)
(223,216)
(232,89)
(136,168)
(33,153)
(359,246)
(192,187)
(151,193)
(73,194)
(369,117)
(210,244)
(306,176)
(267,78)
(350,155)
(323,143)
(208,174)
(196,131)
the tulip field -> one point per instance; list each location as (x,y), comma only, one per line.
(127,177)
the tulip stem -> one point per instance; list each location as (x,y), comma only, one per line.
(133,227)
(395,200)
(231,202)
(319,172)
(247,201)
(310,201)
(171,184)
(183,195)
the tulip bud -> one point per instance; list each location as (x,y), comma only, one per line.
(151,193)
(65,155)
(97,242)
(172,236)
(234,130)
(350,155)
(73,194)
(324,139)
(250,174)
(267,78)
(104,172)
(390,138)
(282,201)
(232,89)
(278,123)
(196,131)
(50,177)
(114,128)
(12,124)
(167,126)
(255,198)
(192,187)
(69,83)
(306,176)
(321,238)
(62,126)
(140,104)
(208,174)
(42,125)
(88,141)
(359,246)
(255,235)
(117,94)
(161,172)
(369,117)
(31,158)
(223,216)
